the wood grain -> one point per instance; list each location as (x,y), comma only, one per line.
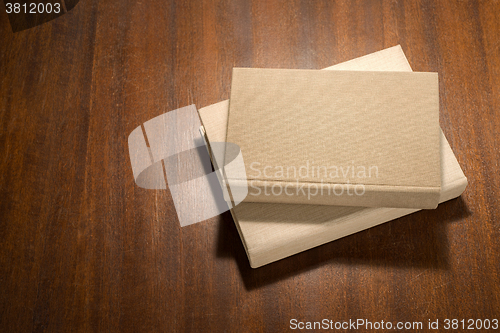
(84,249)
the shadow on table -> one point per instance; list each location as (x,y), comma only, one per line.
(415,240)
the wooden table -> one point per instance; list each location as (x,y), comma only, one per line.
(82,248)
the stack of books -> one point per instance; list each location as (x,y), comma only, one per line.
(330,153)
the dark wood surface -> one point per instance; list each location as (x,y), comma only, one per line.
(82,248)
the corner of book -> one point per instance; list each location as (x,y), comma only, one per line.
(257,263)
(463,185)
(252,264)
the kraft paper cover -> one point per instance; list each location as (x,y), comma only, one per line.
(271,232)
(356,138)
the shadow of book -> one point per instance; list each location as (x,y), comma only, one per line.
(416,240)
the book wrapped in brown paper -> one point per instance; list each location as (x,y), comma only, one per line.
(273,231)
(350,138)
